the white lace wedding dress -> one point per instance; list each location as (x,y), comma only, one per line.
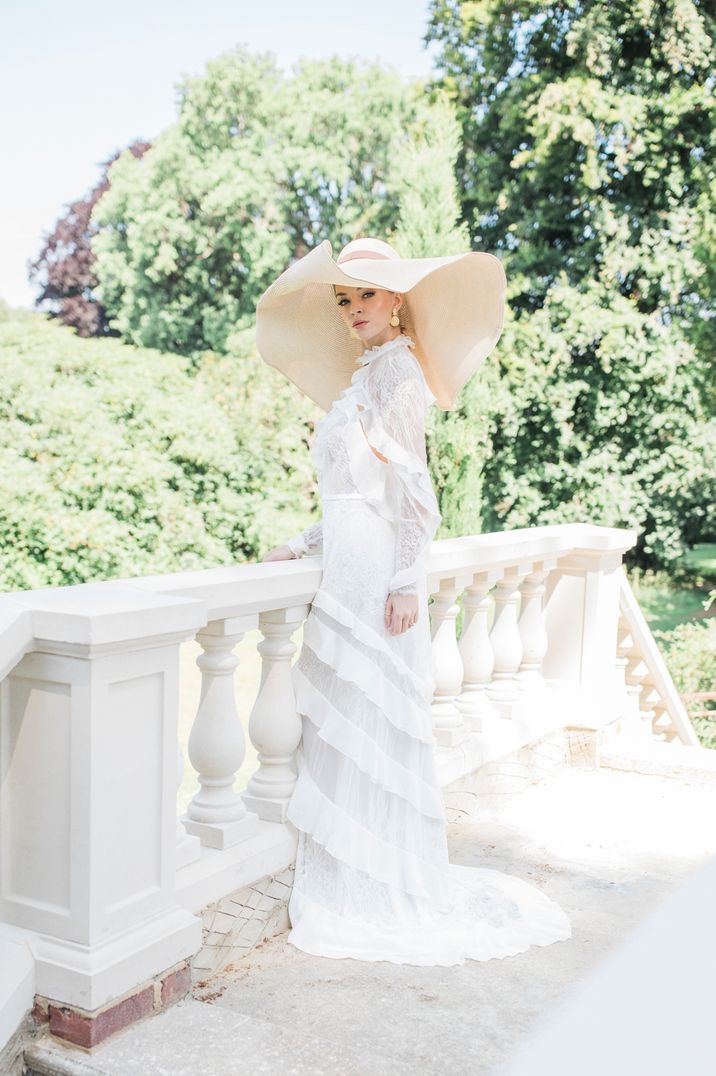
(372,877)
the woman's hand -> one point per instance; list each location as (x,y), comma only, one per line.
(401,612)
(279,552)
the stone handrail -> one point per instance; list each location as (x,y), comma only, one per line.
(657,709)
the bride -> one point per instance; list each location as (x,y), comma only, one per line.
(376,340)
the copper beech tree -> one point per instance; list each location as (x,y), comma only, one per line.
(65,267)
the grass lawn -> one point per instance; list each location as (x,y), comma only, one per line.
(668,601)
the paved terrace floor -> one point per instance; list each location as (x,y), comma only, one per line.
(607,844)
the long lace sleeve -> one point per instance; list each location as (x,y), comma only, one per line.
(308,542)
(409,545)
(395,426)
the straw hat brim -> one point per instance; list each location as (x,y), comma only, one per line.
(453,309)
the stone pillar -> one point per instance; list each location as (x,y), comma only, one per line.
(88,735)
(448,723)
(274,726)
(217,746)
(581,617)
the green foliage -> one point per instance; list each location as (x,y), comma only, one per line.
(257,168)
(668,599)
(423,177)
(585,162)
(600,421)
(428,225)
(585,137)
(703,329)
(702,560)
(690,653)
(116,461)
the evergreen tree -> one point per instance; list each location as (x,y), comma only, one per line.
(427,226)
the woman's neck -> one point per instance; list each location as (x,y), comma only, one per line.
(382,338)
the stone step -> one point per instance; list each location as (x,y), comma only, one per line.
(654,758)
(196,1038)
(50,1060)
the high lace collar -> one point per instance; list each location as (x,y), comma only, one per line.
(370,353)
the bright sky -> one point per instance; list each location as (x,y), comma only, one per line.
(79,81)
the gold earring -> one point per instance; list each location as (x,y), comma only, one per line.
(395,320)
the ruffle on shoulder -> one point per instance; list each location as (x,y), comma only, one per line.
(370,353)
(386,404)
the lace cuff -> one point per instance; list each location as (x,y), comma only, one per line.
(409,546)
(308,542)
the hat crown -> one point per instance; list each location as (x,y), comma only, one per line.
(367,248)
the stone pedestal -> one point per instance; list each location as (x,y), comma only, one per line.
(88,733)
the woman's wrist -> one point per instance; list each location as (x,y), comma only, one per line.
(407,591)
(296,545)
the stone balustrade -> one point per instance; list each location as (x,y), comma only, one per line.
(101,879)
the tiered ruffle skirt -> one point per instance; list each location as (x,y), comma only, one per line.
(372,879)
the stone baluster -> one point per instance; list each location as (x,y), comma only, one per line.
(623,646)
(188,846)
(662,725)
(531,624)
(274,726)
(648,699)
(506,641)
(448,723)
(475,648)
(217,746)
(636,671)
(628,689)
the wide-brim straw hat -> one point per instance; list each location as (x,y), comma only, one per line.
(453,310)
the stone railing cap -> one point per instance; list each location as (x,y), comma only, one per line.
(102,613)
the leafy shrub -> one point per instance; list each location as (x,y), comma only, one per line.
(690,653)
(119,461)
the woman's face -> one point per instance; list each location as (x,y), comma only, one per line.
(367,311)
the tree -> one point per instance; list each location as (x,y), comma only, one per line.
(586,129)
(65,267)
(428,225)
(257,168)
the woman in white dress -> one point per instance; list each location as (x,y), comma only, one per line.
(373,880)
